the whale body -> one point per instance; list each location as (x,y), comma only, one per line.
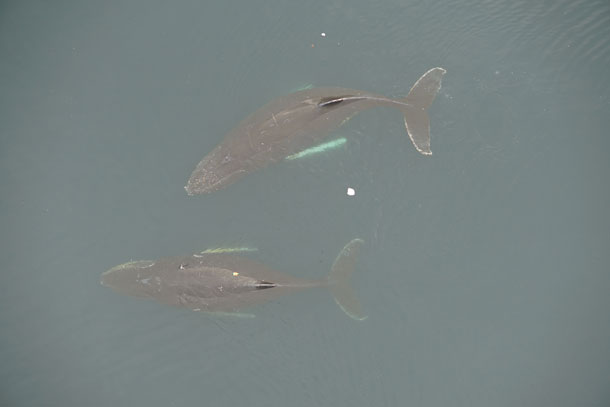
(300,120)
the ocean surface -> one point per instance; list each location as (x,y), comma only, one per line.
(485,270)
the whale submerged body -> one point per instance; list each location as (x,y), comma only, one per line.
(295,122)
(227,283)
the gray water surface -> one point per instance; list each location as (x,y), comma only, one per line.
(485,269)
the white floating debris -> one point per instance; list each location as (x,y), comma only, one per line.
(323,34)
(351,191)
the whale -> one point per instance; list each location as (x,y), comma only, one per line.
(217,282)
(300,120)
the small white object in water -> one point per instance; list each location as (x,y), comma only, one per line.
(323,34)
(351,191)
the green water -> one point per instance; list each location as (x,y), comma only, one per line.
(485,269)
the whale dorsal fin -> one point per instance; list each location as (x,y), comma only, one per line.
(331,101)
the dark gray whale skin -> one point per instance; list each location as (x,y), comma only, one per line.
(295,122)
(226,282)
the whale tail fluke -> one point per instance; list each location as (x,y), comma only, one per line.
(420,98)
(339,280)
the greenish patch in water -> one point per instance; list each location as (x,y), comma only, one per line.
(221,314)
(217,250)
(302,87)
(140,264)
(320,148)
